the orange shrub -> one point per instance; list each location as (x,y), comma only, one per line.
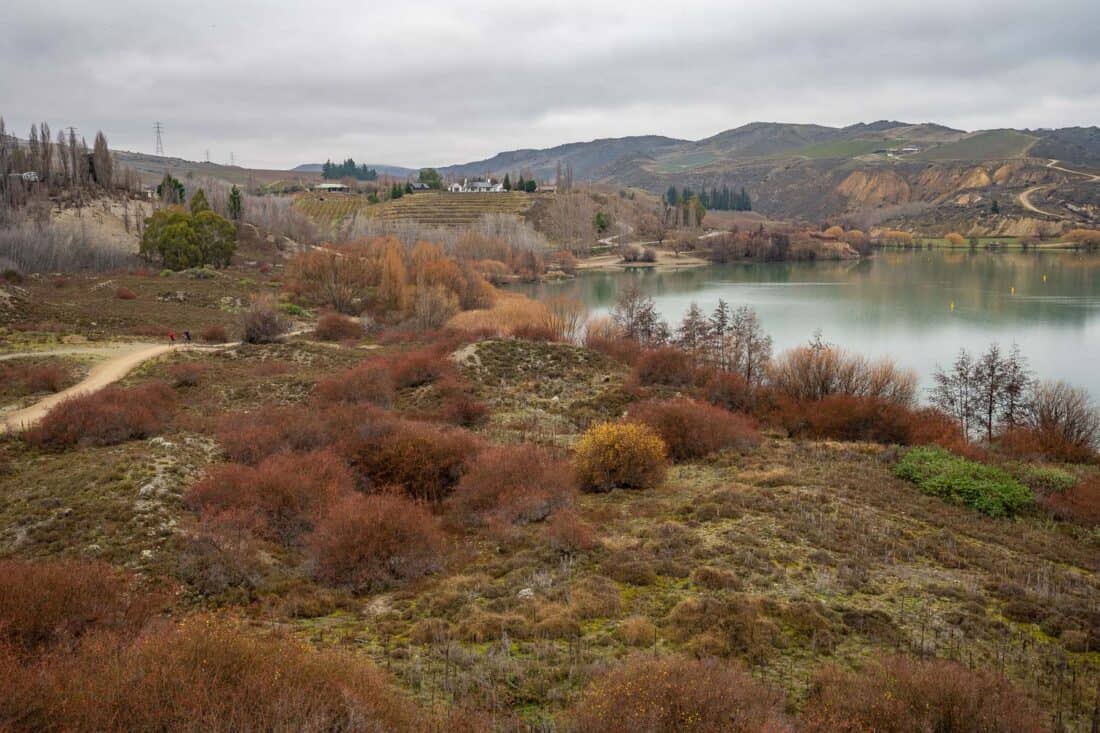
(677,695)
(112,415)
(426,461)
(49,602)
(620,455)
(214,334)
(280,499)
(369,382)
(694,429)
(514,484)
(125,294)
(336,327)
(248,437)
(368,542)
(205,674)
(666,366)
(1079,503)
(901,695)
(535,332)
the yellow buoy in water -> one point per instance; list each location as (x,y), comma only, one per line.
(952,306)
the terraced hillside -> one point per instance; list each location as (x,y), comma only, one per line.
(434,208)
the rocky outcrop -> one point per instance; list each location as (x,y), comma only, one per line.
(871,188)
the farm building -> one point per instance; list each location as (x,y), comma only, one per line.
(331,188)
(486,186)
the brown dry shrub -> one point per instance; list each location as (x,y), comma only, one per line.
(677,694)
(514,484)
(621,349)
(209,675)
(262,323)
(481,626)
(110,416)
(187,373)
(124,293)
(280,499)
(535,332)
(426,461)
(666,366)
(714,578)
(595,596)
(620,455)
(215,334)
(902,695)
(44,603)
(376,541)
(694,429)
(567,532)
(336,327)
(369,382)
(721,626)
(637,631)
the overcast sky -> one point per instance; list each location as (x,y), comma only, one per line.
(431,83)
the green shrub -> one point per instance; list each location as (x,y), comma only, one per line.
(1043,479)
(987,489)
(293,310)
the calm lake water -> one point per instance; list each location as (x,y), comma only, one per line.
(917,307)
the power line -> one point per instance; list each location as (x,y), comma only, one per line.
(158,129)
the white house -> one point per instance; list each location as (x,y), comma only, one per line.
(468,186)
(330,188)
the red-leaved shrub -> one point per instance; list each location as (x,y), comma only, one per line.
(337,327)
(376,541)
(902,695)
(514,484)
(666,366)
(567,532)
(426,461)
(369,382)
(44,603)
(1079,503)
(417,368)
(694,429)
(464,410)
(205,674)
(677,695)
(280,499)
(248,437)
(730,391)
(187,373)
(107,417)
(43,378)
(124,293)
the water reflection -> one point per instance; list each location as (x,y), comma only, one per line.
(918,307)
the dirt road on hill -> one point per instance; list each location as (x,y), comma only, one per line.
(1025,197)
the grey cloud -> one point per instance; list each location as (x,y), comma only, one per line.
(435,82)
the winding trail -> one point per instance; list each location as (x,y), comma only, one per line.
(1025,196)
(127,357)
